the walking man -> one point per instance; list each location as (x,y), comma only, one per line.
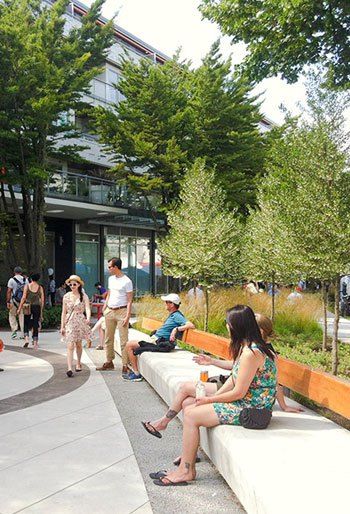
(117,311)
(15,288)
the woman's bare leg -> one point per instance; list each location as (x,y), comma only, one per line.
(186,390)
(194,417)
(70,350)
(79,351)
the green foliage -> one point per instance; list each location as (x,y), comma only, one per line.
(51,318)
(203,240)
(172,115)
(44,71)
(283,37)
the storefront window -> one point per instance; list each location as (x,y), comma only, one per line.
(143,277)
(87,260)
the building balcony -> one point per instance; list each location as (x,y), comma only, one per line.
(87,189)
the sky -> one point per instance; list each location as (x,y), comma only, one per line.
(170,24)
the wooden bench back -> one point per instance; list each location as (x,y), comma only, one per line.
(322,388)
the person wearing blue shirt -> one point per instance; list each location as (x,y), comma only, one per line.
(172,329)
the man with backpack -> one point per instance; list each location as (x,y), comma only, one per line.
(15,287)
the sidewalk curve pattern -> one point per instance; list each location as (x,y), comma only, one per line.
(57,385)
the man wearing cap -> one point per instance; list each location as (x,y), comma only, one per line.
(172,329)
(15,288)
(117,311)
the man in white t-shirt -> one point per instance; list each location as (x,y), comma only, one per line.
(117,311)
(15,287)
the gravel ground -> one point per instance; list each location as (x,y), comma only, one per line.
(138,401)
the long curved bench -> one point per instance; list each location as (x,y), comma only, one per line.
(299,464)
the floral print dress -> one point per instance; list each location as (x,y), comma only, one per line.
(261,393)
(76,327)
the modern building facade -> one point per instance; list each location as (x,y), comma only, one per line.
(89,218)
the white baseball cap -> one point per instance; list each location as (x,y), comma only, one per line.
(172,297)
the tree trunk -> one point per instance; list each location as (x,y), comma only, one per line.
(273,298)
(325,309)
(206,309)
(335,326)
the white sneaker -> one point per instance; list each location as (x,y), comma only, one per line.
(14,335)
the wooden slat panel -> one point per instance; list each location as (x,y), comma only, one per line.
(151,324)
(322,388)
(211,343)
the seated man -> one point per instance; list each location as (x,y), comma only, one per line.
(171,330)
(101,294)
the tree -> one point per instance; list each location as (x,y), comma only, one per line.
(203,241)
(268,249)
(149,132)
(283,37)
(172,115)
(44,71)
(226,128)
(309,188)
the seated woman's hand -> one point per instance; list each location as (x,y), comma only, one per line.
(203,401)
(203,360)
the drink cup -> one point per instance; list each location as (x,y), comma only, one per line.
(204,375)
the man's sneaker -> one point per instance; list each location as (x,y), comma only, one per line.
(133,377)
(106,366)
(14,335)
(125,375)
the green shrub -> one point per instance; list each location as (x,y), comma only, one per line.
(51,319)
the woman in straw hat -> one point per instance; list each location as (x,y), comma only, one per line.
(74,325)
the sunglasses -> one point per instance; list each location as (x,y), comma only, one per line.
(111,267)
(73,284)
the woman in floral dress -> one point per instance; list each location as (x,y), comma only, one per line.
(253,383)
(74,324)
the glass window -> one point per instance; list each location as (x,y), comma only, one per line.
(87,263)
(111,249)
(143,277)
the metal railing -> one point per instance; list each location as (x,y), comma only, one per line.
(104,92)
(85,188)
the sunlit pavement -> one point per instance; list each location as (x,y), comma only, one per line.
(63,446)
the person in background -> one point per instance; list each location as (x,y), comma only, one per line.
(15,288)
(33,300)
(251,288)
(295,295)
(60,292)
(51,290)
(195,295)
(101,294)
(117,312)
(74,325)
(100,326)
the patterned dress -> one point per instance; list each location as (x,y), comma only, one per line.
(76,327)
(261,392)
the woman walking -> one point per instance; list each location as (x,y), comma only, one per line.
(74,325)
(32,303)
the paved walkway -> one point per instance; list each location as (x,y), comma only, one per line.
(344,327)
(68,445)
(67,450)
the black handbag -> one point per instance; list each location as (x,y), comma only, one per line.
(255,419)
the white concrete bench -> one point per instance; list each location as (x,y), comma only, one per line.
(300,464)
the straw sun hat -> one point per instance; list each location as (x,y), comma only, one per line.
(75,278)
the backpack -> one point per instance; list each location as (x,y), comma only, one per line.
(17,295)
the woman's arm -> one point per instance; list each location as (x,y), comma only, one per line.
(23,299)
(87,308)
(206,360)
(42,298)
(250,361)
(63,316)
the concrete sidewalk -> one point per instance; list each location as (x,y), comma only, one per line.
(67,451)
(344,327)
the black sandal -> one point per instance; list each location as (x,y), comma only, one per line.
(146,425)
(77,370)
(160,482)
(69,373)
(158,474)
